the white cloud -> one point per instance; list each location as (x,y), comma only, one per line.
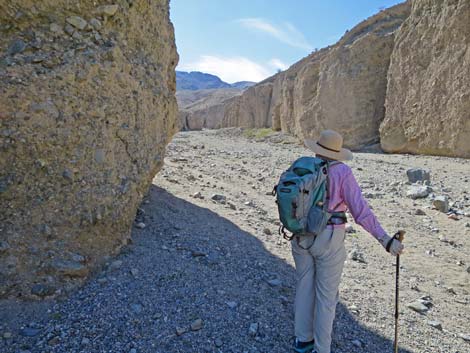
(278,64)
(232,69)
(286,33)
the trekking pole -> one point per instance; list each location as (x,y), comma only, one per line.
(399,236)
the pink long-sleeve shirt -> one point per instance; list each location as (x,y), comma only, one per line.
(345,194)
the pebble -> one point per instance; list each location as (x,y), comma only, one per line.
(253,330)
(77,22)
(219,198)
(196,325)
(465,337)
(7,335)
(108,10)
(140,225)
(357,343)
(267,231)
(274,282)
(231,304)
(198,195)
(30,332)
(418,306)
(418,191)
(85,341)
(356,255)
(180,331)
(435,324)
(218,342)
(115,264)
(16,47)
(420,212)
(441,203)
(417,174)
(137,308)
(96,24)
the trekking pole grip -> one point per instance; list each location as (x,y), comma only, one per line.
(400,235)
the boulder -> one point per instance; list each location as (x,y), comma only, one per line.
(428,94)
(83,130)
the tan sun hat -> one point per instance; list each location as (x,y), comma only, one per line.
(330,144)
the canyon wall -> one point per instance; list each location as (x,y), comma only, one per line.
(87,105)
(428,95)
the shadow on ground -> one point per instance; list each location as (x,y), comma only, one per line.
(188,263)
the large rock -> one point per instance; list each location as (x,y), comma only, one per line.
(428,95)
(85,113)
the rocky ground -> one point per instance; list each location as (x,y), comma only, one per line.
(207,272)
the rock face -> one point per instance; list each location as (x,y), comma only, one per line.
(87,105)
(203,108)
(428,96)
(341,87)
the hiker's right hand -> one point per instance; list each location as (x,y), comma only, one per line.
(395,247)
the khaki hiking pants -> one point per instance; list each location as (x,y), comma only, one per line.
(319,264)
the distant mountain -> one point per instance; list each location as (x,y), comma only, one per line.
(196,80)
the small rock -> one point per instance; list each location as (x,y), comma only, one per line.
(231,205)
(30,332)
(108,10)
(418,306)
(218,342)
(133,350)
(357,343)
(69,29)
(180,331)
(140,225)
(418,191)
(435,324)
(219,198)
(7,335)
(96,24)
(42,290)
(99,155)
(231,305)
(274,282)
(420,212)
(464,337)
(115,265)
(85,341)
(418,174)
(349,228)
(69,268)
(198,195)
(77,22)
(267,231)
(453,216)
(250,204)
(253,330)
(441,203)
(54,341)
(197,325)
(137,308)
(16,47)
(4,246)
(134,272)
(54,27)
(356,255)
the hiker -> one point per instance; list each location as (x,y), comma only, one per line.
(319,259)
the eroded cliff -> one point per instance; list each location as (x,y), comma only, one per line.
(87,105)
(341,87)
(428,96)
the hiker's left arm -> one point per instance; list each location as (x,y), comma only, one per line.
(363,215)
(359,208)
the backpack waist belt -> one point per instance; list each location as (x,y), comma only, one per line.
(338,218)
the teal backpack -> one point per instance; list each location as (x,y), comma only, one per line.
(301,197)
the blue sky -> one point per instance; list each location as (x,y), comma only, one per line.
(250,40)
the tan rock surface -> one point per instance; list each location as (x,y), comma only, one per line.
(428,96)
(86,108)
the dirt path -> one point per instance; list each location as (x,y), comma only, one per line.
(220,267)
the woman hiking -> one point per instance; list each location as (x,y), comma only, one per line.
(319,259)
